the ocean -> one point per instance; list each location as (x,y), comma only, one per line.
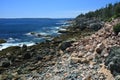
(29,30)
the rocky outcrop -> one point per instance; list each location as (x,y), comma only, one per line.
(24,47)
(27,55)
(113,61)
(65,44)
(4,62)
(93,23)
(95,26)
(2,41)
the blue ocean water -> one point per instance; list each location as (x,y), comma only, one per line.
(17,31)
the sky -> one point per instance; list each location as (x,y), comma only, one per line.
(49,8)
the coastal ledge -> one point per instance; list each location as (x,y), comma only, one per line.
(25,59)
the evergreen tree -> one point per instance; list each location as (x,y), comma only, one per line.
(117,9)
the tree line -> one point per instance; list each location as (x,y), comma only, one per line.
(111,10)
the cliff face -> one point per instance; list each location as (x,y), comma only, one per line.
(94,50)
(83,23)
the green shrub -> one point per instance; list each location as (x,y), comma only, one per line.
(116,28)
(118,15)
(113,17)
(110,19)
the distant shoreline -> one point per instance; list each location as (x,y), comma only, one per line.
(36,18)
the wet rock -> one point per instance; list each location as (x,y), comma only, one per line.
(48,57)
(113,61)
(32,33)
(39,35)
(52,51)
(6,64)
(39,57)
(2,69)
(56,41)
(65,45)
(24,47)
(99,48)
(63,31)
(12,57)
(27,55)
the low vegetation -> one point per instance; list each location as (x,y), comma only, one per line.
(116,29)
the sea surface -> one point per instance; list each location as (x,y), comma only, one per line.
(29,30)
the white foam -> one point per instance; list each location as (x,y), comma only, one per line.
(6,45)
(54,31)
(28,34)
(57,28)
(10,40)
(62,29)
(60,23)
(65,25)
(36,34)
(43,33)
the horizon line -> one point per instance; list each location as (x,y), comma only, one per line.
(33,18)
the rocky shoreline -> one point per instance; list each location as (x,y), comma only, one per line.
(2,41)
(74,55)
